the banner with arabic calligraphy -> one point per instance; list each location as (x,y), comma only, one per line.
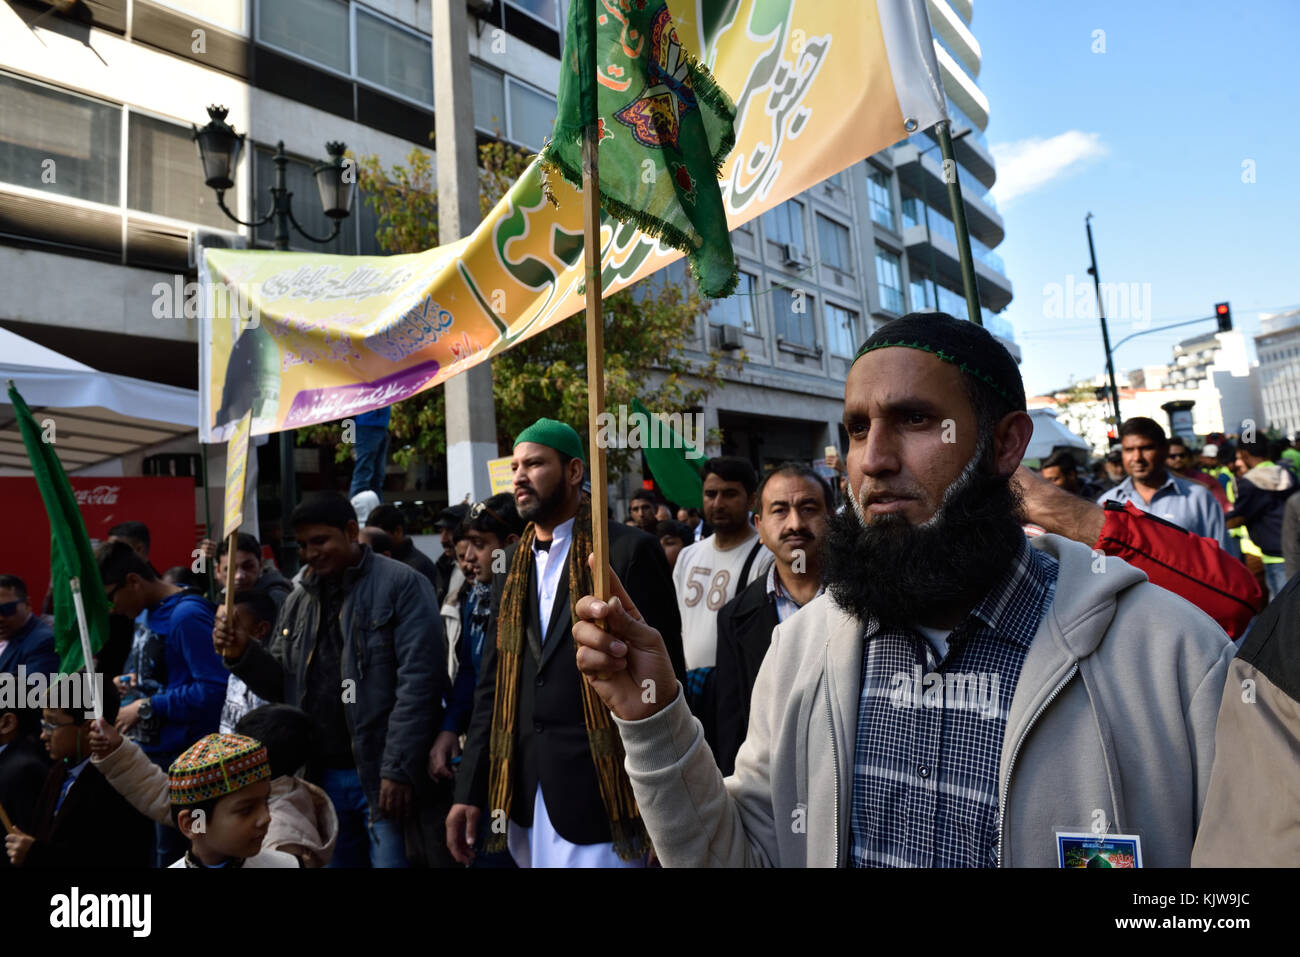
(302,338)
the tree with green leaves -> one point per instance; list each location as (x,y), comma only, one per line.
(647,327)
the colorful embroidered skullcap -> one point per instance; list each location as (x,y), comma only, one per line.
(215,766)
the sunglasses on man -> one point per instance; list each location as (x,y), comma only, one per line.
(9,608)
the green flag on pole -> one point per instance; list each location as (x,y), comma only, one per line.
(675,470)
(70,552)
(664,129)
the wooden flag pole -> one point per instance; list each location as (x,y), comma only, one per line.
(595,361)
(230,578)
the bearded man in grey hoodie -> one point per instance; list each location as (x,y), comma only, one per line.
(960,696)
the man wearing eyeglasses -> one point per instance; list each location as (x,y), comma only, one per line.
(24,638)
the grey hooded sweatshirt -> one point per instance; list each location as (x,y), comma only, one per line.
(1114,711)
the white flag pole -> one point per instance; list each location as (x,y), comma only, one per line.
(97,706)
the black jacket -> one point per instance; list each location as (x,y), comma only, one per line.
(551,736)
(408,554)
(96,827)
(23,766)
(744,632)
(394,663)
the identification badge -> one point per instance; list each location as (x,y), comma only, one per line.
(1086,849)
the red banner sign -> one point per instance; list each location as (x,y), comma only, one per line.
(166,505)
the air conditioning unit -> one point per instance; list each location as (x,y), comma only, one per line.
(731,338)
(212,239)
(793,255)
(479,8)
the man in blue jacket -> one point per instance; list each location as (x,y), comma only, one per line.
(183,680)
(24,638)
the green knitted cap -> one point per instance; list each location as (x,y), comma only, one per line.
(554,435)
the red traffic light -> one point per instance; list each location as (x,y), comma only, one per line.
(1221,309)
(1223,314)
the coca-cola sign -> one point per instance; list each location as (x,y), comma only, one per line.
(99,495)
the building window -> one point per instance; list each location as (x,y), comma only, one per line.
(505,107)
(388,55)
(841,331)
(836,249)
(548,11)
(164,175)
(738,308)
(393,58)
(882,201)
(921,296)
(225,13)
(315,30)
(889,278)
(784,224)
(60,142)
(792,314)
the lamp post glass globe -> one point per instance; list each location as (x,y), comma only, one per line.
(219,148)
(335,180)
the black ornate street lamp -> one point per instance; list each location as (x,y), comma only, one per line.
(219,149)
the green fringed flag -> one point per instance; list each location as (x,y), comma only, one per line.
(664,128)
(70,552)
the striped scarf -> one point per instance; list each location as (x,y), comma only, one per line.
(625,825)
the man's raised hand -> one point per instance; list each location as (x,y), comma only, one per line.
(626,661)
(227,642)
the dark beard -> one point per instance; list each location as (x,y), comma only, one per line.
(902,574)
(545,508)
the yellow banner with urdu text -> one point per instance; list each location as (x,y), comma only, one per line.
(293,339)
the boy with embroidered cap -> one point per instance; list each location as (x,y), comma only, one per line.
(220,789)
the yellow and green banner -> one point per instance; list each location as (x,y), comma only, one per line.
(297,339)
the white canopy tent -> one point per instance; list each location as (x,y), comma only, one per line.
(97,416)
(1049,434)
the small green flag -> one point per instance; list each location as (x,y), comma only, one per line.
(675,471)
(664,128)
(70,552)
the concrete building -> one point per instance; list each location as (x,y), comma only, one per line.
(101,193)
(1278,348)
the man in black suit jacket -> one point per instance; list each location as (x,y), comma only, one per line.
(794,505)
(551,746)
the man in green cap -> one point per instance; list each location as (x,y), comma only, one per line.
(541,756)
(961,695)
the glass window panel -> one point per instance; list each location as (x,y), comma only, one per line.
(545,10)
(316,30)
(60,143)
(836,249)
(164,175)
(793,316)
(394,58)
(889,278)
(532,116)
(489,99)
(882,202)
(841,331)
(306,207)
(784,223)
(738,308)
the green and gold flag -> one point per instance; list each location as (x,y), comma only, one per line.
(70,552)
(664,128)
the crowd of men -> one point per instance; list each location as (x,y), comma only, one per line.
(955,661)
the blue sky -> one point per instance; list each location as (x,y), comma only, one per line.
(1150,136)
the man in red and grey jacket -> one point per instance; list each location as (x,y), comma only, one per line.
(1190,566)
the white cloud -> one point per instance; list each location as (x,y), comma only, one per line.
(1025,165)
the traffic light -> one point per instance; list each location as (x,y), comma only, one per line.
(1224,315)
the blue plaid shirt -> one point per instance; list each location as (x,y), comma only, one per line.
(925,772)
